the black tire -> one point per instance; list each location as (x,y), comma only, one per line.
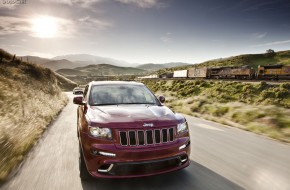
(84,174)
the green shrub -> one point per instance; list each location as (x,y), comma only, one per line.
(285,86)
(262,85)
(243,116)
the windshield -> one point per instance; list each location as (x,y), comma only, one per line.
(121,94)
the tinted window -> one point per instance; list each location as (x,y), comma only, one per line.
(121,94)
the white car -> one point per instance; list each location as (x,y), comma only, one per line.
(78,90)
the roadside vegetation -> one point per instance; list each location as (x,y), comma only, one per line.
(258,107)
(252,60)
(30,98)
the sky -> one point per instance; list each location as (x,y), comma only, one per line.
(145,31)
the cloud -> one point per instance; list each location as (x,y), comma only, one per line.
(7,6)
(259,35)
(272,43)
(11,25)
(167,38)
(66,2)
(82,3)
(141,3)
(94,23)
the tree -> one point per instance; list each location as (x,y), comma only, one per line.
(270,52)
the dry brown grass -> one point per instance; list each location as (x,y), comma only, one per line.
(23,118)
(30,98)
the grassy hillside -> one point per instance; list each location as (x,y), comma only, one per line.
(282,57)
(30,98)
(253,60)
(101,69)
(34,59)
(67,72)
(151,67)
(64,83)
(262,108)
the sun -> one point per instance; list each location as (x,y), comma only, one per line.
(44,27)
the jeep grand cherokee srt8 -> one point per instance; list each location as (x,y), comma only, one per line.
(125,131)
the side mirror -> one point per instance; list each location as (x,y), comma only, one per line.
(78,100)
(162,99)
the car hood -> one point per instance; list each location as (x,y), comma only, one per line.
(133,115)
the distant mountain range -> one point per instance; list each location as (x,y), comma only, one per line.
(101,70)
(73,66)
(86,59)
(83,64)
(60,64)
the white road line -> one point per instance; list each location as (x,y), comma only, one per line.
(202,125)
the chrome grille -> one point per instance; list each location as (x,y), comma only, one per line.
(146,137)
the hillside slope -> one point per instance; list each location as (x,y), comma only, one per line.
(151,66)
(94,60)
(253,60)
(30,98)
(258,107)
(34,59)
(59,64)
(101,69)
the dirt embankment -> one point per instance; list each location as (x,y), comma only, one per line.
(30,98)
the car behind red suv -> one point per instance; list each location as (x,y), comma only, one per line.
(125,131)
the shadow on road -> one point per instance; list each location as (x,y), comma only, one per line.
(195,177)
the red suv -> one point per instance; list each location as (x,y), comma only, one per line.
(125,131)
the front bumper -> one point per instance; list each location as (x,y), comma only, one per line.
(136,162)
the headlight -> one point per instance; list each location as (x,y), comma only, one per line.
(101,132)
(182,127)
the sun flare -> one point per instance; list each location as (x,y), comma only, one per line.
(44,27)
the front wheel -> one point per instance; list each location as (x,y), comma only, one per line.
(84,174)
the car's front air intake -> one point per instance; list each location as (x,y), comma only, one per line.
(146,137)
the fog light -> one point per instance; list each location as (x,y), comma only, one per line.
(183,159)
(107,154)
(106,168)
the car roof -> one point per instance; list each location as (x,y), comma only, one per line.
(116,82)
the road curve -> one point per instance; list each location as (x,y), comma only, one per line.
(222,158)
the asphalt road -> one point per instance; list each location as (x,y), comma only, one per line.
(222,158)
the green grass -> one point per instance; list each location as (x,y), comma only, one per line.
(250,106)
(253,60)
